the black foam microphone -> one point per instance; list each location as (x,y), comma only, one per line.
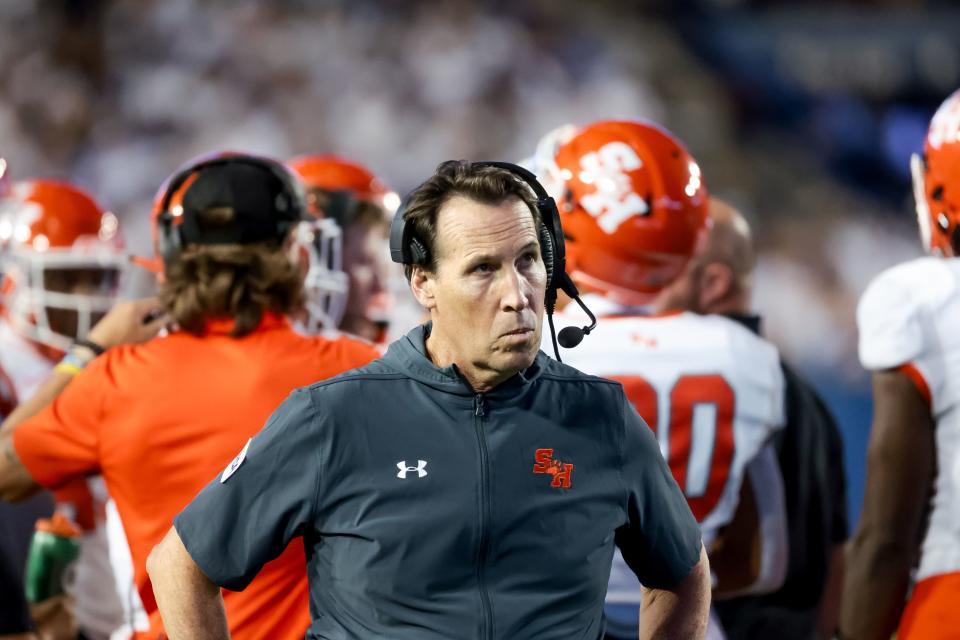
(569,337)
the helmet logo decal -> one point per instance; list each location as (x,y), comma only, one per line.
(614,201)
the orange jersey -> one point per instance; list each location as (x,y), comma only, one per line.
(159,420)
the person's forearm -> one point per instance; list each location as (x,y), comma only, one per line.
(679,613)
(901,459)
(192,614)
(191,605)
(875,587)
(16,483)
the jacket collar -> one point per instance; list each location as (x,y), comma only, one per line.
(409,355)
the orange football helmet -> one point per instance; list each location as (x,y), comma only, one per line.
(936,180)
(337,190)
(63,261)
(334,174)
(634,208)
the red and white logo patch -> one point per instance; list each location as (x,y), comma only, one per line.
(614,201)
(562,472)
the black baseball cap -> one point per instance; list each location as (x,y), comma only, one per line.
(265,197)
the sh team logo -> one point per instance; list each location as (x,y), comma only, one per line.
(562,472)
(614,201)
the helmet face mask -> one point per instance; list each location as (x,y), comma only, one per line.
(56,318)
(325,285)
(353,204)
(62,262)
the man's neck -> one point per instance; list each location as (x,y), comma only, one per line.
(735,303)
(442,355)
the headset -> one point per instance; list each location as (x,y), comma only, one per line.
(406,248)
(170,239)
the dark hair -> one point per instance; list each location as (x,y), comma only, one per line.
(363,212)
(484,184)
(236,281)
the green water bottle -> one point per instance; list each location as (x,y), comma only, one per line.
(53,550)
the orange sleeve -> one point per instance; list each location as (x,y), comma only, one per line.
(61,442)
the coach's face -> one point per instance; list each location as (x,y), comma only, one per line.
(486,297)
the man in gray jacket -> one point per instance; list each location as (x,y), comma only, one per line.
(464,485)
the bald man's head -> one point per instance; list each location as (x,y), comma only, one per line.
(731,242)
(720,278)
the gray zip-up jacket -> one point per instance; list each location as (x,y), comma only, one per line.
(429,511)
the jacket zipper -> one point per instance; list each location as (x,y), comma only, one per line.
(486,622)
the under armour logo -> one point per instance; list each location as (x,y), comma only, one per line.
(421,469)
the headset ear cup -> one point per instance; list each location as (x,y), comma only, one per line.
(548,253)
(418,252)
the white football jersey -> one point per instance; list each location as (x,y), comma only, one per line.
(712,390)
(21,361)
(908,317)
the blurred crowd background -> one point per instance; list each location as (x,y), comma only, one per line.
(804,114)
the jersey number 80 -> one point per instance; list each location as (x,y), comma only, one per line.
(699,446)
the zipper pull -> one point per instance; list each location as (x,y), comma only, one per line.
(478,403)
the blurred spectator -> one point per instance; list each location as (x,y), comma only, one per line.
(116,93)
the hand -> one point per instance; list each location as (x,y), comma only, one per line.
(54,618)
(129,323)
